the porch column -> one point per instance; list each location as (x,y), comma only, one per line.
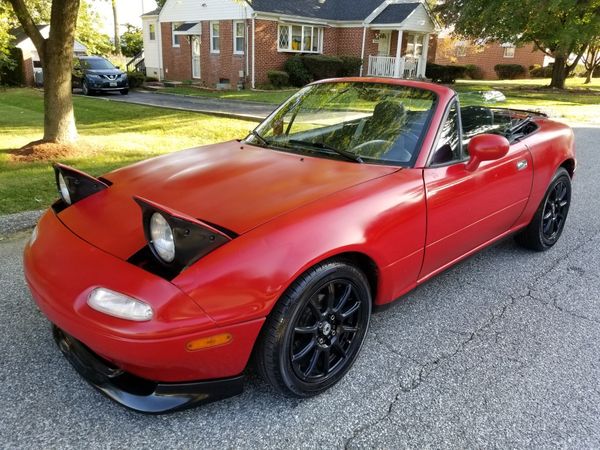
(398,66)
(423,62)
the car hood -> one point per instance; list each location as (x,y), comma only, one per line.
(232,185)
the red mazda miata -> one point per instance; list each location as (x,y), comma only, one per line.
(163,278)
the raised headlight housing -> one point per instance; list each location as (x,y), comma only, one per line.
(176,240)
(74,185)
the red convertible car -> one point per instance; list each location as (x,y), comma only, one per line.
(164,278)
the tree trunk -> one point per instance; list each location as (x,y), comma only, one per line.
(116,27)
(588,76)
(56,55)
(559,72)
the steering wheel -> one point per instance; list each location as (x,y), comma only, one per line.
(371,147)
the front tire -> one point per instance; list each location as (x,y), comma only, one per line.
(85,90)
(124,91)
(549,221)
(316,330)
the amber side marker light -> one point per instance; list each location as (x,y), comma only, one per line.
(208,342)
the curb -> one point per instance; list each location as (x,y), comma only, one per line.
(13,223)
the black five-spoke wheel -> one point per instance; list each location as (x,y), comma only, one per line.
(549,220)
(555,211)
(316,330)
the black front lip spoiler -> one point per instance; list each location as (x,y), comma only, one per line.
(137,393)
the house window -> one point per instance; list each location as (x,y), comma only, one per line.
(299,38)
(414,45)
(152,32)
(239,37)
(176,37)
(460,49)
(215,46)
(509,52)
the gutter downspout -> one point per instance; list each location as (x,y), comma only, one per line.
(160,50)
(254,51)
(362,52)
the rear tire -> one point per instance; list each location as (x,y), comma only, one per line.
(549,221)
(316,330)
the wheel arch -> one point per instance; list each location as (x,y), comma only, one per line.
(569,165)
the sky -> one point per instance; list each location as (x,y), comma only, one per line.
(129,12)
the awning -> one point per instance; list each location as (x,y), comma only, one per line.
(188,28)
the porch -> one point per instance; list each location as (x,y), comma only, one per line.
(398,54)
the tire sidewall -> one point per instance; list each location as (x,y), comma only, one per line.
(329,273)
(561,174)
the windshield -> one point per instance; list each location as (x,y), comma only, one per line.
(96,64)
(363,122)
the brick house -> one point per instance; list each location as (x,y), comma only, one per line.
(486,55)
(32,66)
(237,43)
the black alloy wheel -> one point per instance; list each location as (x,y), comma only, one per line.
(549,221)
(316,330)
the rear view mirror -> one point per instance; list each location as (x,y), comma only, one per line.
(486,147)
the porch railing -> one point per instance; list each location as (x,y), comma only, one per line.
(385,66)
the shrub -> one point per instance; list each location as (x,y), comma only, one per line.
(322,66)
(11,74)
(136,79)
(298,74)
(278,78)
(445,74)
(541,72)
(474,72)
(151,79)
(350,66)
(509,71)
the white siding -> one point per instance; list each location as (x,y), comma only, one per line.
(419,20)
(151,50)
(192,10)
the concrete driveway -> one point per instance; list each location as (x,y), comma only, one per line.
(502,351)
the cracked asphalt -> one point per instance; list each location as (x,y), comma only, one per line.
(501,351)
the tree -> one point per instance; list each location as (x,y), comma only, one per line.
(87,33)
(591,59)
(132,41)
(56,55)
(559,28)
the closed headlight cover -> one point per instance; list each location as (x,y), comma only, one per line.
(176,240)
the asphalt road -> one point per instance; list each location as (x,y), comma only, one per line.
(253,111)
(500,351)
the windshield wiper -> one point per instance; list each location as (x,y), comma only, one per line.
(346,154)
(257,135)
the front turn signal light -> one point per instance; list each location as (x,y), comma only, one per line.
(208,342)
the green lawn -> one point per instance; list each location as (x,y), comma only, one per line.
(112,134)
(274,97)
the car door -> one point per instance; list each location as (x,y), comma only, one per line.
(466,209)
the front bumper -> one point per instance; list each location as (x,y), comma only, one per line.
(104,85)
(137,393)
(61,269)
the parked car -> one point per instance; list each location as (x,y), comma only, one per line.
(161,279)
(94,74)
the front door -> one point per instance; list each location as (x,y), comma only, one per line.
(384,41)
(196,57)
(468,209)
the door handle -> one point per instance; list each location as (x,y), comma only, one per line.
(522,165)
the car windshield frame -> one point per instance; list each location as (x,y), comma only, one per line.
(89,64)
(275,132)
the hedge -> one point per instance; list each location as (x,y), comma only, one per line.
(350,66)
(278,78)
(136,79)
(445,74)
(509,71)
(474,72)
(322,66)
(298,74)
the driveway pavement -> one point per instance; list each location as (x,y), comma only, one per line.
(502,351)
(228,108)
